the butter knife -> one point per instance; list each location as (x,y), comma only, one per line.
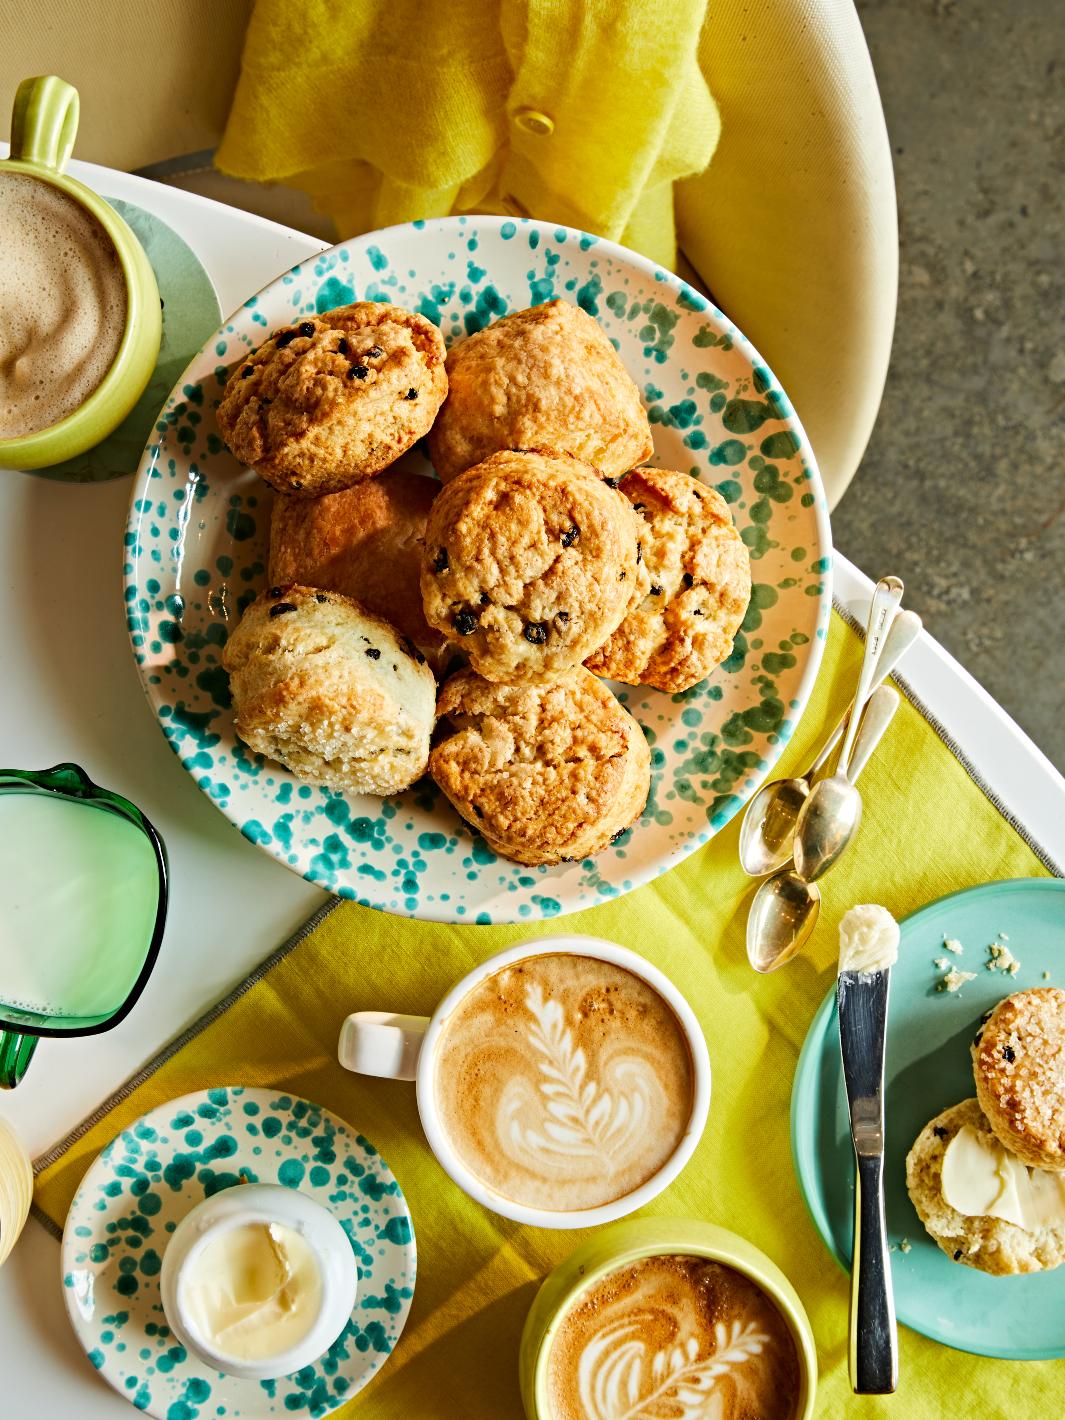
(862,1000)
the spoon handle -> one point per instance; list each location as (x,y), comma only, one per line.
(905,630)
(886,597)
(879,711)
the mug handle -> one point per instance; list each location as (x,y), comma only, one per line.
(379,1043)
(44,121)
(15,1054)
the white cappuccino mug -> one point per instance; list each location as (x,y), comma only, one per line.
(562,1083)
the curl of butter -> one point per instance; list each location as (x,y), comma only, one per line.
(868,939)
(983,1179)
(16,1189)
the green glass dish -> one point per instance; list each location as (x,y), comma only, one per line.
(83,889)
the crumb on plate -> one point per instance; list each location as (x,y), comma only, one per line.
(954,979)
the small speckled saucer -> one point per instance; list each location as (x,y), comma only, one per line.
(154,1172)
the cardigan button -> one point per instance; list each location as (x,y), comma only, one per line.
(531,120)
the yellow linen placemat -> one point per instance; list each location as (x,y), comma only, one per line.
(477,1273)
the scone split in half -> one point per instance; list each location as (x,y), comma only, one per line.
(335,397)
(330,691)
(547,771)
(991,1243)
(530,562)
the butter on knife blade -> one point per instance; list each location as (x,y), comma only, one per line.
(868,939)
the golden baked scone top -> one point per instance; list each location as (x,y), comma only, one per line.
(530,562)
(548,771)
(547,377)
(1019,1069)
(365,542)
(335,397)
(699,574)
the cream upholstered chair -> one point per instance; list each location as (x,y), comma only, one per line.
(791,228)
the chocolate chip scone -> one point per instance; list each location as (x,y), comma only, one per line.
(548,771)
(530,562)
(1019,1068)
(334,398)
(547,377)
(987,1243)
(699,571)
(330,691)
(365,542)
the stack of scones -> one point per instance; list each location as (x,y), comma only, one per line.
(543,561)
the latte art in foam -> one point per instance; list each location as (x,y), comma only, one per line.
(564,1082)
(673,1336)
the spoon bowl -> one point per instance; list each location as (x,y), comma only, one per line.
(827,822)
(781,921)
(769,826)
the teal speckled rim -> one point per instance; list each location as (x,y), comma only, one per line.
(153,1174)
(196,553)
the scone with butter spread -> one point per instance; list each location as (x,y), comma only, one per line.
(699,574)
(330,691)
(1019,1069)
(547,377)
(530,562)
(979,1202)
(548,771)
(365,542)
(335,397)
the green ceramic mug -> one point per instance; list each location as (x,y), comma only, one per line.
(623,1243)
(44,122)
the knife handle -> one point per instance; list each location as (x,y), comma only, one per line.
(874,1364)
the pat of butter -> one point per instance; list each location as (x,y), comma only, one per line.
(868,939)
(253,1291)
(982,1179)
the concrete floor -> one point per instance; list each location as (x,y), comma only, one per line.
(962,489)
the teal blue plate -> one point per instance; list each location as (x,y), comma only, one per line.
(928,1068)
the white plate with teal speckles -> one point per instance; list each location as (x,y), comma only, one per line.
(199,527)
(154,1173)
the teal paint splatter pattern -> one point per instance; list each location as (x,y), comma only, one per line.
(148,1179)
(196,546)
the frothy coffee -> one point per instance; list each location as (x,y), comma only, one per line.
(673,1335)
(62,305)
(564,1082)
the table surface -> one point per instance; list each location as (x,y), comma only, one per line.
(72,692)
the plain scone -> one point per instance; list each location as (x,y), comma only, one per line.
(334,398)
(700,585)
(988,1244)
(1019,1069)
(330,691)
(530,562)
(547,377)
(365,542)
(549,771)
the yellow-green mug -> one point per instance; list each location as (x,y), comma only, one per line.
(44,122)
(623,1243)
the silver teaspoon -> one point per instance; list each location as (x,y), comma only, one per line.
(785,908)
(832,811)
(768,828)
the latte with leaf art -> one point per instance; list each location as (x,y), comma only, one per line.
(564,1082)
(673,1338)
